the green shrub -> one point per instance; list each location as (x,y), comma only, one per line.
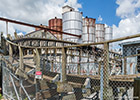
(0,96)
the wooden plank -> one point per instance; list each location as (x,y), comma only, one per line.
(79,63)
(106,65)
(125,66)
(37,60)
(16,36)
(21,66)
(105,70)
(137,89)
(10,53)
(64,59)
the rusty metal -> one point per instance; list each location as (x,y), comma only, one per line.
(56,24)
(88,35)
(100,33)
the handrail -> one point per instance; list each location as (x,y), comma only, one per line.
(80,45)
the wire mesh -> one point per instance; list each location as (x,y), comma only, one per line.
(80,72)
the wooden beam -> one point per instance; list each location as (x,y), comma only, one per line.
(21,66)
(137,89)
(10,53)
(125,66)
(37,60)
(64,59)
(3,44)
(99,68)
(79,64)
(16,36)
(105,70)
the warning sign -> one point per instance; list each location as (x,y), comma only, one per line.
(38,75)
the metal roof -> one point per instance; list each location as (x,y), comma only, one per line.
(130,43)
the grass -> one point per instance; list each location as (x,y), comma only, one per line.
(0,96)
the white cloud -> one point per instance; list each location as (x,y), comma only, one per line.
(33,11)
(100,18)
(129,13)
(127,8)
(20,34)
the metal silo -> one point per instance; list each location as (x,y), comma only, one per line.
(72,23)
(56,24)
(88,35)
(108,33)
(100,33)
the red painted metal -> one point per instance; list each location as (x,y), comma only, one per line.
(56,24)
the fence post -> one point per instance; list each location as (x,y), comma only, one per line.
(64,60)
(1,81)
(3,44)
(105,70)
(37,60)
(37,69)
(21,66)
(137,89)
(10,52)
(79,65)
(99,69)
(15,34)
(125,66)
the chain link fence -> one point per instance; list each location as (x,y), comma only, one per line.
(80,72)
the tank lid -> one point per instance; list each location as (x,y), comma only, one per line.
(66,6)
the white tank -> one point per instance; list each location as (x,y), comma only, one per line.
(88,35)
(100,33)
(72,23)
(108,33)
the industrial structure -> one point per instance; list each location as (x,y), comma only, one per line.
(70,59)
(86,28)
(72,23)
(56,24)
(88,35)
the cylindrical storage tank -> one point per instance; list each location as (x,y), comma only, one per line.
(72,23)
(56,24)
(100,32)
(88,35)
(108,33)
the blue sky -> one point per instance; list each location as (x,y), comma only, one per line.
(122,15)
(105,8)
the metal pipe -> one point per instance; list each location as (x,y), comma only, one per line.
(8,96)
(25,91)
(36,26)
(14,87)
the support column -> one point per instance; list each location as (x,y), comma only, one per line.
(37,69)
(64,60)
(16,36)
(79,65)
(21,66)
(125,66)
(105,70)
(137,89)
(99,69)
(3,44)
(38,60)
(10,53)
